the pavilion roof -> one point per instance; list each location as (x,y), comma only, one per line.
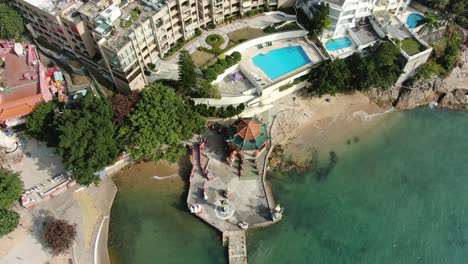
(248,133)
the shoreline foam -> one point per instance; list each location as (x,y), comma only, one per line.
(304,124)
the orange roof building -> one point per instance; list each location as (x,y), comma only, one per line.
(248,134)
(23,84)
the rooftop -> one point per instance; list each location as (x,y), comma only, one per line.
(248,133)
(51,6)
(132,14)
(23,81)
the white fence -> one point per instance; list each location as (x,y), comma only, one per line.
(264,39)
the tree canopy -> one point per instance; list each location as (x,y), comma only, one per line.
(11,187)
(11,22)
(159,123)
(320,20)
(381,70)
(59,235)
(87,138)
(8,221)
(187,74)
(331,77)
(122,105)
(39,124)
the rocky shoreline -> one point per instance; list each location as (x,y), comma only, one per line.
(450,92)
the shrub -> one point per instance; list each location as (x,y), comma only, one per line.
(8,221)
(151,66)
(59,235)
(211,25)
(11,187)
(236,55)
(211,111)
(214,70)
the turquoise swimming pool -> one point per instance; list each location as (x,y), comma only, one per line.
(281,61)
(414,19)
(338,43)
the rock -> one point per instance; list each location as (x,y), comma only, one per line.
(456,99)
(384,98)
(416,96)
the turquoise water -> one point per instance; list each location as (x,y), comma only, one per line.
(395,195)
(414,20)
(338,43)
(281,61)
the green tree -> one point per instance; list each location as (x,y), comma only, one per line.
(430,23)
(87,141)
(11,22)
(384,66)
(320,20)
(159,123)
(330,77)
(207,90)
(8,221)
(11,187)
(187,74)
(39,124)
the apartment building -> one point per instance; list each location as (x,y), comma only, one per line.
(346,14)
(127,34)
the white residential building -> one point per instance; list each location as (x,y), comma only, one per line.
(346,14)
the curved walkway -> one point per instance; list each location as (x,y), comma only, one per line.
(218,32)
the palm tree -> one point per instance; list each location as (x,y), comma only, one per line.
(430,23)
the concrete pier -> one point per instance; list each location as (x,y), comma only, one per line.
(237,246)
(250,203)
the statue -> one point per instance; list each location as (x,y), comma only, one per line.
(10,149)
(277,213)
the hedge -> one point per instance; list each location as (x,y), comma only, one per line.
(224,62)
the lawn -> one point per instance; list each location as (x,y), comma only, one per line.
(200,58)
(215,40)
(411,46)
(245,34)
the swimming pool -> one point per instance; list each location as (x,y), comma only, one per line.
(414,20)
(281,61)
(338,43)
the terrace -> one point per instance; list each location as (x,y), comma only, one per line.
(257,76)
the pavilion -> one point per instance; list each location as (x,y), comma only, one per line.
(247,138)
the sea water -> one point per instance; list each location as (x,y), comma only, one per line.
(397,194)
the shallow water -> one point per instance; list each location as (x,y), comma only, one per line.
(150,222)
(395,195)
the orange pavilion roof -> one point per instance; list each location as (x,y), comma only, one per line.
(248,129)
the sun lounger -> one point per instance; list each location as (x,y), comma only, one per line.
(269,43)
(260,46)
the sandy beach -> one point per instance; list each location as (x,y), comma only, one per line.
(303,124)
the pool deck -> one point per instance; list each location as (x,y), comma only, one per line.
(339,52)
(249,53)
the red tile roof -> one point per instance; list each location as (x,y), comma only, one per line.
(25,81)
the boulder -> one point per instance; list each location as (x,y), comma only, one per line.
(456,99)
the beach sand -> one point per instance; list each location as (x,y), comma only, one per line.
(303,124)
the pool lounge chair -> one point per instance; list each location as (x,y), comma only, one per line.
(260,46)
(269,43)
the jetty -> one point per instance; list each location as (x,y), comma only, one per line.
(228,188)
(237,246)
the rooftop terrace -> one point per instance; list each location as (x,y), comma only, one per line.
(51,6)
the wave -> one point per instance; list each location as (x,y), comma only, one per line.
(364,116)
